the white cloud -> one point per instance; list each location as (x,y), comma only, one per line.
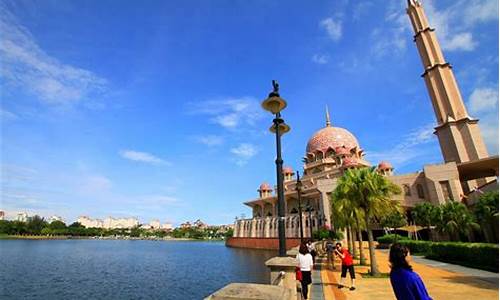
(143,157)
(483,99)
(27,66)
(454,24)
(410,148)
(229,112)
(460,41)
(483,103)
(392,38)
(333,28)
(479,11)
(210,140)
(6,115)
(320,59)
(244,152)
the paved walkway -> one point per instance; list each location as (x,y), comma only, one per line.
(442,280)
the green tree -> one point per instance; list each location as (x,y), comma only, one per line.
(35,224)
(486,212)
(371,192)
(6,227)
(456,220)
(55,225)
(18,227)
(426,215)
(393,220)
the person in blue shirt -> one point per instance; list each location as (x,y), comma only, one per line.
(406,284)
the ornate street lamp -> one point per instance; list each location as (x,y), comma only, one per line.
(275,104)
(298,188)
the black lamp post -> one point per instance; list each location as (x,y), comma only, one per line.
(275,104)
(309,209)
(298,188)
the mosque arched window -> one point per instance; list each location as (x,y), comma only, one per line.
(407,189)
(420,191)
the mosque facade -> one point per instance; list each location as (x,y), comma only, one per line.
(466,171)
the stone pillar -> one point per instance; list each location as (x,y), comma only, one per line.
(253,228)
(286,266)
(236,229)
(325,187)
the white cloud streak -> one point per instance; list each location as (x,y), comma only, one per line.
(143,157)
(27,66)
(320,59)
(210,140)
(229,112)
(244,152)
(411,147)
(332,27)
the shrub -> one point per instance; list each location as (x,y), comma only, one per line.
(477,255)
(391,238)
(418,247)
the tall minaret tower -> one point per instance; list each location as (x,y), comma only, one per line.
(458,133)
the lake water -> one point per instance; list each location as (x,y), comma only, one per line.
(121,269)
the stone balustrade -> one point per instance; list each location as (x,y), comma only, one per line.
(267,227)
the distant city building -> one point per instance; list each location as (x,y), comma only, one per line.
(22,217)
(55,218)
(167,226)
(154,224)
(90,223)
(186,225)
(200,224)
(2,214)
(118,223)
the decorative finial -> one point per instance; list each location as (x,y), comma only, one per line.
(328,123)
(276,88)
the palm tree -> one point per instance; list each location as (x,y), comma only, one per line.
(345,213)
(486,210)
(366,189)
(456,220)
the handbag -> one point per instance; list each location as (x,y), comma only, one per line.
(298,274)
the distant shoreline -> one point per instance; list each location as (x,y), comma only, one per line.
(62,237)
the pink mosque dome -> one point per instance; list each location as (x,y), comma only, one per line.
(331,137)
(288,170)
(265,187)
(384,165)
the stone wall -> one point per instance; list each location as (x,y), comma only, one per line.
(260,243)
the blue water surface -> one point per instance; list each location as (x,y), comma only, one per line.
(124,269)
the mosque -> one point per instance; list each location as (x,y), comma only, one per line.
(466,172)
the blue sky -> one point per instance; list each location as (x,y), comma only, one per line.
(153,110)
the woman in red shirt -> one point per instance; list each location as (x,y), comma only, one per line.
(347,264)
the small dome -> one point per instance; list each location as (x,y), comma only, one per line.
(385,165)
(331,137)
(288,170)
(265,187)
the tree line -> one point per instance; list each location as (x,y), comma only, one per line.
(37,225)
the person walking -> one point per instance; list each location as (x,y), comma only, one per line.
(406,284)
(347,265)
(306,264)
(329,249)
(311,249)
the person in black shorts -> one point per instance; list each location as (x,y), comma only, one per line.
(347,265)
